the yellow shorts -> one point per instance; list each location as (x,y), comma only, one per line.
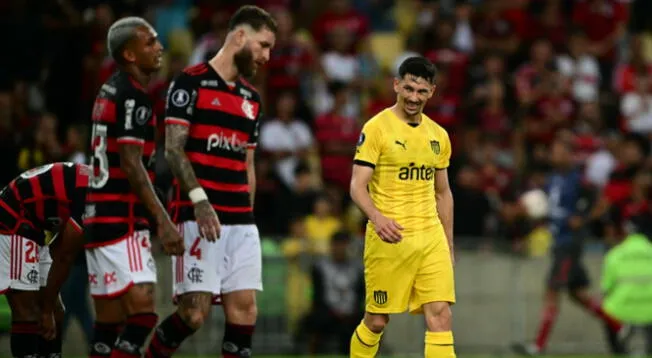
(409,274)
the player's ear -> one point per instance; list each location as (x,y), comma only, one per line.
(128,55)
(241,37)
(432,91)
(397,84)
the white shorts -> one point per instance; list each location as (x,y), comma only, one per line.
(232,263)
(114,268)
(24,265)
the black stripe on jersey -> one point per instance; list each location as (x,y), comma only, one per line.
(364,164)
(220,175)
(222,119)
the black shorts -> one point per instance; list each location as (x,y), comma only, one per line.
(567,270)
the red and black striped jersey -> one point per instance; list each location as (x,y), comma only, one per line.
(44,198)
(122,114)
(223,119)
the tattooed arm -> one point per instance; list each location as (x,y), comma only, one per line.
(175,141)
(251,175)
(131,162)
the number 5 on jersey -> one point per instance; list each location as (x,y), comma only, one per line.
(99,160)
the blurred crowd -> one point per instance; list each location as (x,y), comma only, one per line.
(512,75)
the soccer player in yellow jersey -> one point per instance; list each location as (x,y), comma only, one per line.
(400,181)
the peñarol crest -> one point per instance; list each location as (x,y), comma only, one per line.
(435,146)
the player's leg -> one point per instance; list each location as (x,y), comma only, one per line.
(51,348)
(139,300)
(578,283)
(109,314)
(365,340)
(557,280)
(388,283)
(109,322)
(433,293)
(25,333)
(196,281)
(241,278)
(19,280)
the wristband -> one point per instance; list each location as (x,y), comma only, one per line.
(196,195)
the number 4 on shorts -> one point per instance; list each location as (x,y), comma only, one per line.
(195,250)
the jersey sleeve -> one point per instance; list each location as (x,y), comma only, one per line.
(133,115)
(180,101)
(369,146)
(444,155)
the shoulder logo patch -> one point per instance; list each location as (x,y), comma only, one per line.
(180,98)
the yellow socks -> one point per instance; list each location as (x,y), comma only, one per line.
(364,342)
(439,345)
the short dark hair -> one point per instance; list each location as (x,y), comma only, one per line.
(253,16)
(120,33)
(418,66)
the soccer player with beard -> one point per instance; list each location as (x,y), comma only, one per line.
(400,181)
(121,200)
(212,119)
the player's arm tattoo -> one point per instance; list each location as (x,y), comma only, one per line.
(176,136)
(131,162)
(251,175)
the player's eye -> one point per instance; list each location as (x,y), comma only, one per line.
(265,44)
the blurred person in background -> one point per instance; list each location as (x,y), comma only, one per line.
(604,22)
(336,132)
(472,206)
(321,224)
(570,203)
(299,200)
(286,138)
(74,292)
(635,66)
(627,277)
(636,107)
(600,164)
(8,140)
(76,143)
(44,147)
(298,251)
(337,298)
(579,69)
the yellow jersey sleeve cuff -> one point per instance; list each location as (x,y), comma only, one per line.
(364,163)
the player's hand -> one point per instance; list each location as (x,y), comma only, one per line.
(170,238)
(48,326)
(209,224)
(388,229)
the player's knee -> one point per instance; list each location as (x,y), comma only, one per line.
(193,317)
(376,322)
(245,312)
(439,317)
(140,299)
(240,307)
(194,309)
(577,296)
